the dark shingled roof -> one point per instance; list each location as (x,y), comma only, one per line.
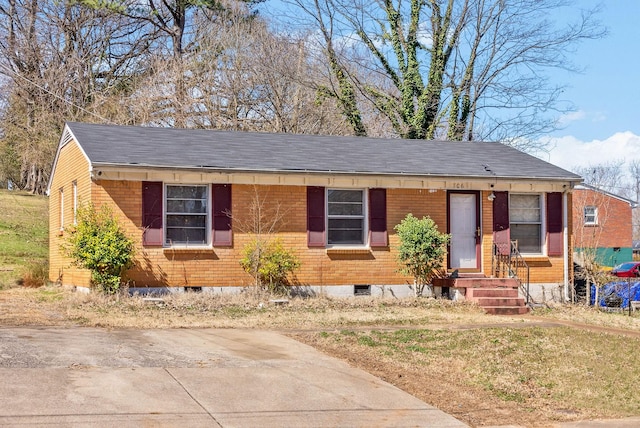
(250,151)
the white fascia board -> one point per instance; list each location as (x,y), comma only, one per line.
(329,179)
(66,137)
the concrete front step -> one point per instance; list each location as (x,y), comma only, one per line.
(498,296)
(486,302)
(473,293)
(498,301)
(476,282)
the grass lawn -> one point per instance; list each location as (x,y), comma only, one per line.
(24,245)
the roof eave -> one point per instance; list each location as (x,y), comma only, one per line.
(113,166)
(112,171)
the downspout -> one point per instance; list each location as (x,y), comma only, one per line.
(565,244)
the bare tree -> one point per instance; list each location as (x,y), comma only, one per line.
(634,172)
(461,69)
(608,176)
(264,256)
(590,218)
(171,23)
(55,58)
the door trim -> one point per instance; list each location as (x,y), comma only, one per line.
(478,225)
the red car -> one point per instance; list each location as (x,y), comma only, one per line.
(627,270)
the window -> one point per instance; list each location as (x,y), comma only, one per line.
(590,215)
(187,215)
(75,202)
(525,213)
(345,217)
(61,207)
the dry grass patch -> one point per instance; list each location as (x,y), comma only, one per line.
(494,376)
(247,310)
(592,316)
(257,310)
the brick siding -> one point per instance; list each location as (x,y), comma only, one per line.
(614,228)
(219,267)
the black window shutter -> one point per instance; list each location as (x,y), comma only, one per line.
(315,217)
(554,224)
(378,218)
(501,233)
(152,212)
(222,234)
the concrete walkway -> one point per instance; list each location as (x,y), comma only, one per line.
(89,377)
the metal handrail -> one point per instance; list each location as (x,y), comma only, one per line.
(507,262)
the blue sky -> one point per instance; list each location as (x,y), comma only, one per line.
(607,93)
(605,127)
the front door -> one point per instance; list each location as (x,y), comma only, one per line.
(464,230)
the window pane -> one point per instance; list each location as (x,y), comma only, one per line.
(198,221)
(345,196)
(345,209)
(524,208)
(528,237)
(186,206)
(185,236)
(186,192)
(345,231)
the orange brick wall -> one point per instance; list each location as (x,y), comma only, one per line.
(219,267)
(71,166)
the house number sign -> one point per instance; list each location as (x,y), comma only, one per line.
(460,185)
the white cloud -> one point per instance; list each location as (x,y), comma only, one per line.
(569,152)
(573,116)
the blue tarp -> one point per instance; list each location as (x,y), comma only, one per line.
(616,292)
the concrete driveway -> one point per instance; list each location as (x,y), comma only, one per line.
(190,378)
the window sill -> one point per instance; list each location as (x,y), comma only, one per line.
(534,256)
(364,250)
(187,250)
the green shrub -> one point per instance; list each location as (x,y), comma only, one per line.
(422,249)
(270,263)
(98,243)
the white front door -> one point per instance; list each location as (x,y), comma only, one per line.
(463,228)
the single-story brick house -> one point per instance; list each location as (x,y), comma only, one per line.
(182,195)
(603,225)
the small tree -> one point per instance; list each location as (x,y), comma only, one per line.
(265,257)
(422,249)
(270,263)
(98,243)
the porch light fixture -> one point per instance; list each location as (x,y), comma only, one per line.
(491,196)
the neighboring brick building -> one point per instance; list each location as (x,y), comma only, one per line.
(603,226)
(184,197)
